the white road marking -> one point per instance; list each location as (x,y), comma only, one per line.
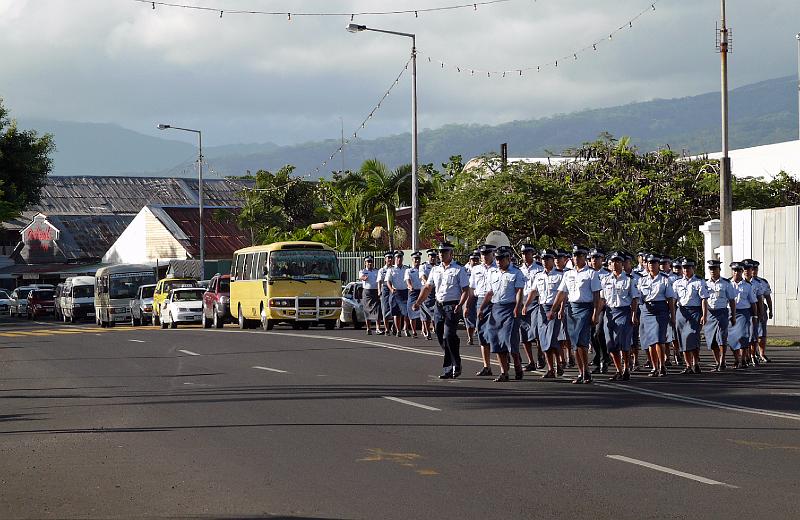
(793,394)
(411,403)
(671,471)
(624,388)
(188,352)
(272,370)
(137,341)
(705,402)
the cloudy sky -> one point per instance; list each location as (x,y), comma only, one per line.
(255,78)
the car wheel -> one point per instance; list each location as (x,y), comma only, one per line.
(172,323)
(205,320)
(218,323)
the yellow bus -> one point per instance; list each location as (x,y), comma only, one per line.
(294,282)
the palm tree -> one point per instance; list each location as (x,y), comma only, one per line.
(383,189)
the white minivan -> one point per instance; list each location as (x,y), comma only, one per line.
(79,298)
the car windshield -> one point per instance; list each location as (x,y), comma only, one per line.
(147,292)
(45,295)
(82,291)
(4,296)
(125,285)
(177,284)
(224,285)
(188,296)
(304,265)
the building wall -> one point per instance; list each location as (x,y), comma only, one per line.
(146,240)
(772,236)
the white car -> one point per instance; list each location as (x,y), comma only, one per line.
(5,303)
(352,306)
(184,305)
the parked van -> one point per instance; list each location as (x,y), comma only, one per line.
(79,298)
(114,288)
(20,296)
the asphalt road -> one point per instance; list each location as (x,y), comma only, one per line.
(131,423)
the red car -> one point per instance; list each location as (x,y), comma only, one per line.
(41,302)
(217,302)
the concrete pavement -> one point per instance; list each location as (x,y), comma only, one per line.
(128,423)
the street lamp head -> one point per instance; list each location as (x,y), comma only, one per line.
(354,28)
(163,127)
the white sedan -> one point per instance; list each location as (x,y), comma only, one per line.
(184,305)
(5,303)
(352,308)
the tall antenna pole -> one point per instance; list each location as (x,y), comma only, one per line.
(725,189)
(342,121)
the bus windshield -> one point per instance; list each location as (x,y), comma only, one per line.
(82,291)
(304,265)
(125,285)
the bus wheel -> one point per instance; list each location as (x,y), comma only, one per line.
(330,324)
(242,320)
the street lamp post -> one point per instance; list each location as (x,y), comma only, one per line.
(355,28)
(199,190)
(798,84)
(725,188)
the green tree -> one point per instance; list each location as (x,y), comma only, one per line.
(25,163)
(386,189)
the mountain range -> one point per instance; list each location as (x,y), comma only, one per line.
(761,113)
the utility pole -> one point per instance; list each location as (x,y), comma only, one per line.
(798,85)
(725,189)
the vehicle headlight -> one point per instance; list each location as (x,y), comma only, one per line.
(330,302)
(148,308)
(281,302)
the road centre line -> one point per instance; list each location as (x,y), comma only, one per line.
(624,388)
(137,341)
(411,403)
(271,370)
(671,471)
(188,352)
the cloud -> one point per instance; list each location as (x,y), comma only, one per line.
(259,78)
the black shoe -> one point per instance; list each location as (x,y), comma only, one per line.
(517,374)
(604,368)
(502,378)
(697,369)
(626,376)
(456,372)
(587,379)
(541,364)
(379,333)
(578,380)
(765,359)
(663,371)
(687,370)
(447,374)
(369,332)
(571,363)
(616,377)
(652,373)
(756,362)
(485,371)
(647,364)
(559,370)
(529,367)
(549,375)
(668,363)
(722,367)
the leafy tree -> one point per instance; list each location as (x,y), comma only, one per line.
(24,166)
(386,189)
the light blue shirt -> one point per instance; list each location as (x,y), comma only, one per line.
(530,272)
(656,289)
(720,293)
(546,285)
(448,281)
(504,284)
(479,279)
(412,275)
(618,291)
(745,296)
(580,284)
(766,290)
(396,275)
(690,292)
(372,278)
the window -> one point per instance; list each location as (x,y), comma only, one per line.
(248,263)
(238,267)
(224,285)
(304,264)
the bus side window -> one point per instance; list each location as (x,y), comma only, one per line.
(257,266)
(237,267)
(248,262)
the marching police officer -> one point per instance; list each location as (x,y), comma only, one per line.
(657,315)
(428,306)
(766,313)
(414,285)
(545,288)
(398,294)
(450,283)
(471,312)
(746,316)
(372,302)
(386,311)
(601,359)
(691,293)
(620,297)
(479,286)
(721,310)
(528,327)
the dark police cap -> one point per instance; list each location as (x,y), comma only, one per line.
(416,254)
(432,252)
(714,264)
(502,252)
(369,258)
(388,254)
(399,254)
(547,253)
(562,253)
(749,263)
(642,253)
(652,258)
(594,253)
(579,250)
(475,254)
(616,255)
(446,246)
(527,248)
(486,248)
(685,262)
(665,260)
(737,266)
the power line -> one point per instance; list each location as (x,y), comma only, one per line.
(517,72)
(352,14)
(363,123)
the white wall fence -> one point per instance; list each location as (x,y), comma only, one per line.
(771,236)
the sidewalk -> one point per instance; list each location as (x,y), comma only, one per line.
(783,336)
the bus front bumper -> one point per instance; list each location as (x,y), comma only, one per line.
(304,314)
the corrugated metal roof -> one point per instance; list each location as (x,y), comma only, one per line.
(222,234)
(93,195)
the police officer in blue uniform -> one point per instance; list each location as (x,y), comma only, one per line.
(429,305)
(471,312)
(746,316)
(691,294)
(601,359)
(545,289)
(528,326)
(386,310)
(479,286)
(450,283)
(620,298)
(371,299)
(414,285)
(721,306)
